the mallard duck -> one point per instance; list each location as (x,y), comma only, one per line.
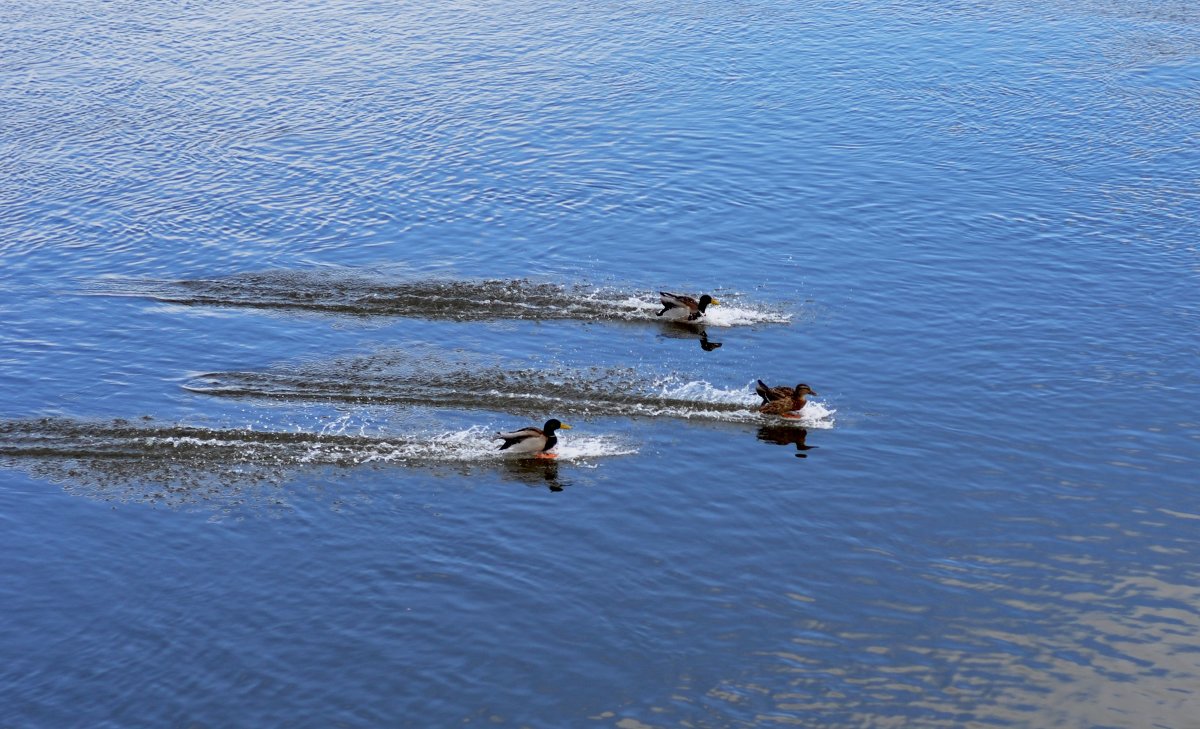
(695,309)
(533,440)
(782,400)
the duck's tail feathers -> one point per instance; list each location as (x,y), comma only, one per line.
(766,393)
(669,300)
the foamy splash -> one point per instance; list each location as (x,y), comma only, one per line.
(814,415)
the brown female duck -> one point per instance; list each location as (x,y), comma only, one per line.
(782,400)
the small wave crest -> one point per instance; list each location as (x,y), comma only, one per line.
(454,300)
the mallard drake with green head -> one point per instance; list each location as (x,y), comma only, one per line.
(538,441)
(694,309)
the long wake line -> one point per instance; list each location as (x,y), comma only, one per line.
(175,465)
(65,438)
(527,392)
(451,300)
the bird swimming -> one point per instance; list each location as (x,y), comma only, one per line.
(695,309)
(782,400)
(538,441)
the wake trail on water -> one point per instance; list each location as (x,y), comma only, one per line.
(179,465)
(397,379)
(452,300)
(140,444)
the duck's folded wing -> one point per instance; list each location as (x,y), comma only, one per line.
(670,300)
(524,440)
(777,407)
(519,435)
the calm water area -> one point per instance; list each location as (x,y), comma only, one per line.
(271,273)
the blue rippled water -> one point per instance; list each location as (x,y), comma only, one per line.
(270,273)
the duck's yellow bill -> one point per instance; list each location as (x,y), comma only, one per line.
(714,302)
(564,426)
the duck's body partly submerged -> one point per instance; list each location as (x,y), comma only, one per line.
(688,308)
(782,400)
(538,441)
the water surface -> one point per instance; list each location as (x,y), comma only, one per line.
(272,272)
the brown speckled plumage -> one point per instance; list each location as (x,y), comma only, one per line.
(782,400)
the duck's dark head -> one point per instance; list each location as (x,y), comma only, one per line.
(705,301)
(803,389)
(554,424)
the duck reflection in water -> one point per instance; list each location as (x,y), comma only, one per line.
(786,435)
(535,472)
(689,330)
